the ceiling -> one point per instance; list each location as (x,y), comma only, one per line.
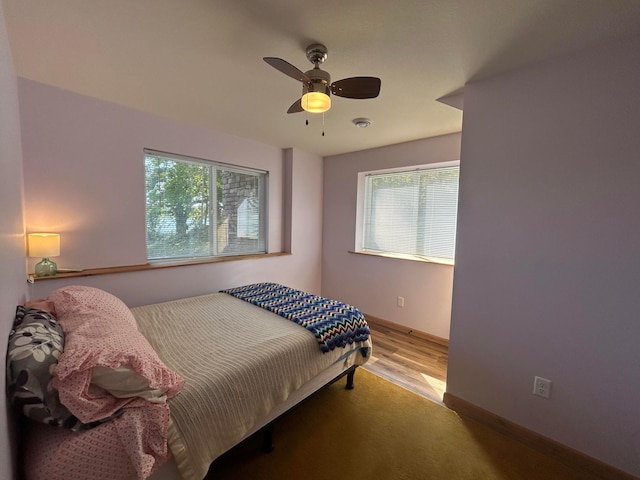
(200,61)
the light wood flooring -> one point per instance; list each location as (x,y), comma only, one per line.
(412,362)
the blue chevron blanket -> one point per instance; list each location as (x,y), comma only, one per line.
(334,324)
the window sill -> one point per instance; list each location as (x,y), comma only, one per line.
(154,266)
(412,258)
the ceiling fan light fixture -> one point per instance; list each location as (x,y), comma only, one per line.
(317,87)
(316,102)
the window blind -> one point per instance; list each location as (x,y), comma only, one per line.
(412,212)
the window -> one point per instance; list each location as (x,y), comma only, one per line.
(197,208)
(411,213)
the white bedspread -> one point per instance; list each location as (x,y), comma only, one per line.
(239,361)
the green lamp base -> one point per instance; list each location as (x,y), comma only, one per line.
(46,268)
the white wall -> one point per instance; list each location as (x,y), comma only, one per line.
(84,178)
(548,251)
(12,279)
(374,283)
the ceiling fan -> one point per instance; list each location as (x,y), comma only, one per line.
(316,83)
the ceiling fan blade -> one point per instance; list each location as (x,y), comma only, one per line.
(286,68)
(296,107)
(356,87)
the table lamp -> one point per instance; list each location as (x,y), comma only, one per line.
(44,245)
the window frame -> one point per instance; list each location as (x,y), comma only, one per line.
(213,165)
(361,213)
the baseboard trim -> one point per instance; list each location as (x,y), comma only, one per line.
(404,329)
(550,447)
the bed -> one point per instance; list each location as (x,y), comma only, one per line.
(234,360)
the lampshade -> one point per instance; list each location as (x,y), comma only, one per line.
(44,244)
(316,102)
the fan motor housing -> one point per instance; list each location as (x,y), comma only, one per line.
(320,81)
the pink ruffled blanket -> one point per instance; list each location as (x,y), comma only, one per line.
(101,331)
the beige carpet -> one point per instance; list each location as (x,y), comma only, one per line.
(382,431)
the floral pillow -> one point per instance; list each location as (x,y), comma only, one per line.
(35,344)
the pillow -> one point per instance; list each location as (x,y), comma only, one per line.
(42,304)
(35,344)
(101,333)
(124,382)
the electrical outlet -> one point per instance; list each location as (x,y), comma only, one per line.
(401,301)
(542,387)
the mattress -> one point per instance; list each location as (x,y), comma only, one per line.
(240,363)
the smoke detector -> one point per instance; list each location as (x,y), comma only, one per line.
(362,122)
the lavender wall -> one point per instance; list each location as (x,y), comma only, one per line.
(374,283)
(84,178)
(306,214)
(548,257)
(12,272)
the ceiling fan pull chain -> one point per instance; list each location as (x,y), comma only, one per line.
(323,124)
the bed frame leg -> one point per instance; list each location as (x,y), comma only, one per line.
(350,379)
(267,439)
